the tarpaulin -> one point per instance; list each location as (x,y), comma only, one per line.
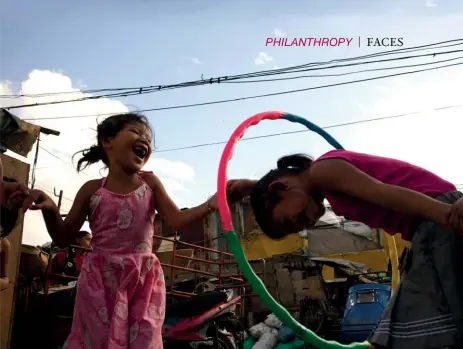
(16,135)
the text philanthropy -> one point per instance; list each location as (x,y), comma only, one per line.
(297,42)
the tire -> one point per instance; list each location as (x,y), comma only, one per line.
(223,342)
(313,314)
(233,326)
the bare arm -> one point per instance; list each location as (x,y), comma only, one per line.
(175,218)
(339,175)
(70,226)
(239,188)
(5,254)
(64,232)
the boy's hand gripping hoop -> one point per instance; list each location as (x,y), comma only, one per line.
(235,245)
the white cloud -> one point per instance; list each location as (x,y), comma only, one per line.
(262,58)
(276,67)
(175,169)
(193,60)
(430,3)
(429,138)
(57,170)
(5,88)
(279,33)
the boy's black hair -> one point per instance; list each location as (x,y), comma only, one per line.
(82,234)
(263,201)
(8,216)
(107,129)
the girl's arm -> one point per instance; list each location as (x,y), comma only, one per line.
(4,281)
(239,188)
(175,218)
(339,175)
(63,232)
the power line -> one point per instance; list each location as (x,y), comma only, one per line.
(224,79)
(342,74)
(257,96)
(305,130)
(350,123)
(320,66)
(438,45)
(63,161)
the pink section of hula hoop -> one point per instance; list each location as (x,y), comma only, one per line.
(224,210)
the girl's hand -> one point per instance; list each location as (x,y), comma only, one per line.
(38,200)
(455,217)
(213,203)
(238,189)
(4,282)
(16,200)
(7,189)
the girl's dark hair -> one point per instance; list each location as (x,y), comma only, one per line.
(82,234)
(263,200)
(106,130)
(8,216)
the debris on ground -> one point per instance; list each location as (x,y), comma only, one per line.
(272,334)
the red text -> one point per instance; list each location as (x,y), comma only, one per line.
(290,42)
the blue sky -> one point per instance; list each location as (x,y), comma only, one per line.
(140,42)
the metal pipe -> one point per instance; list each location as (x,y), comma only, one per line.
(194,246)
(198,271)
(63,276)
(174,246)
(393,256)
(224,287)
(220,269)
(196,259)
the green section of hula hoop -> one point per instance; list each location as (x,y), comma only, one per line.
(280,312)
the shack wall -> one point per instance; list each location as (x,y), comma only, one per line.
(20,171)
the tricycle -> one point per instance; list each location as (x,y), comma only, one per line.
(364,306)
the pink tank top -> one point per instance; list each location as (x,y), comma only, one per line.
(389,171)
(122,223)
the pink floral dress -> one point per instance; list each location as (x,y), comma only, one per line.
(120,301)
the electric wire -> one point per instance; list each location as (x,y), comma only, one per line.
(201,145)
(438,45)
(238,99)
(141,90)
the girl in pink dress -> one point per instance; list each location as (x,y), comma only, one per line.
(120,300)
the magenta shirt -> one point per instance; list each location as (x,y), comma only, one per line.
(389,171)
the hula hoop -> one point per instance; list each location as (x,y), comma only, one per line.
(235,245)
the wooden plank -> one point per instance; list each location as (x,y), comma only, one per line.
(285,286)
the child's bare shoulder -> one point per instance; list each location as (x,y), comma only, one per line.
(4,244)
(150,178)
(90,187)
